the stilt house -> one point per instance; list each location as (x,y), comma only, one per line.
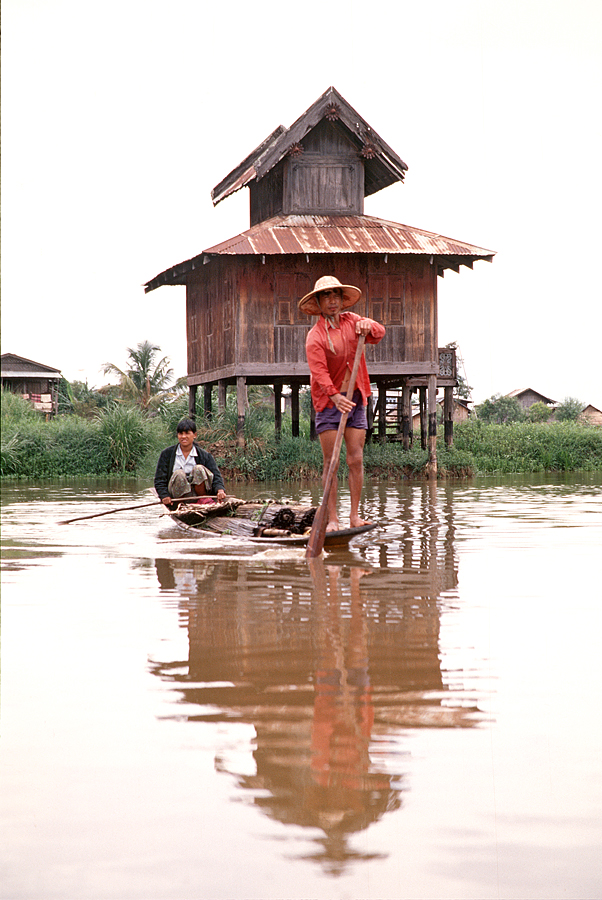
(33,381)
(307,186)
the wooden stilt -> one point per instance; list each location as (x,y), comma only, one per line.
(192,389)
(241,405)
(431,466)
(406,407)
(448,415)
(222,393)
(207,400)
(278,410)
(295,409)
(370,418)
(381,407)
(423,419)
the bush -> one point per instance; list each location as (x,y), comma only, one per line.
(15,408)
(500,409)
(125,434)
(539,412)
(569,410)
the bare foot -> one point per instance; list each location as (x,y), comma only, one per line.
(333,526)
(356,522)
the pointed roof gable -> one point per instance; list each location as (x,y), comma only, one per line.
(382,166)
(519,393)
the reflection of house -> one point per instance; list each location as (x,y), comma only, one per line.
(33,381)
(592,415)
(527,397)
(330,667)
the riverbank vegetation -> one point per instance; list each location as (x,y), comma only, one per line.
(123,438)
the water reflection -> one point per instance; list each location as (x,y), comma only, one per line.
(332,664)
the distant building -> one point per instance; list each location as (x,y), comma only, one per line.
(33,381)
(527,397)
(591,415)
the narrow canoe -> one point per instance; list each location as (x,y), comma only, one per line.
(259,521)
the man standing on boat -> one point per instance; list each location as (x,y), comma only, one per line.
(330,348)
(186,470)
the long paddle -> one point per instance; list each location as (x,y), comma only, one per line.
(318,529)
(109,512)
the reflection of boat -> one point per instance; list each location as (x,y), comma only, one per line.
(260,521)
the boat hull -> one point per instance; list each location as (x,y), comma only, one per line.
(258,522)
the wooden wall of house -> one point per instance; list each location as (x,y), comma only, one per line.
(327,176)
(211,309)
(266,194)
(243,319)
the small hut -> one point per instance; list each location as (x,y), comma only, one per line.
(307,186)
(33,381)
(527,397)
(591,415)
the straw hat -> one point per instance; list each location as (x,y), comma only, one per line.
(309,303)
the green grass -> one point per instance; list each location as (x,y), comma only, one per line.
(529,447)
(119,440)
(122,440)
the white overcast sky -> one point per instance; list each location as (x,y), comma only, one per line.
(119,118)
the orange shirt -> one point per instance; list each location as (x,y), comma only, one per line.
(328,368)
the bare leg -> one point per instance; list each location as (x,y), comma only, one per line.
(354,444)
(327,441)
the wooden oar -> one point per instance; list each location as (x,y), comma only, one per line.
(318,529)
(109,512)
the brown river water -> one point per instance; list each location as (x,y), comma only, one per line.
(415,716)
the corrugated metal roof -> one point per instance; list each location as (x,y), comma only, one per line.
(342,234)
(288,235)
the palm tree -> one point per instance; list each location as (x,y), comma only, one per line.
(145,382)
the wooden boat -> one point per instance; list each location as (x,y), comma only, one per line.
(259,521)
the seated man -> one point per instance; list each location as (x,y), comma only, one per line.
(186,470)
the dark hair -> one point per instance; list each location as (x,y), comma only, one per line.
(185,425)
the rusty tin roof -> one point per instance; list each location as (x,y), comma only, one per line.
(312,234)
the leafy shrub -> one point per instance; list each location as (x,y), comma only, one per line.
(569,410)
(125,435)
(500,409)
(539,412)
(15,408)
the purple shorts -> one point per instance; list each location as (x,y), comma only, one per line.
(329,418)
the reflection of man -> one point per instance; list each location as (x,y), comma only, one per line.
(186,470)
(330,348)
(343,709)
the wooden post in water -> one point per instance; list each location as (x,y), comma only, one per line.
(423,419)
(278,410)
(431,466)
(222,392)
(241,406)
(295,409)
(448,415)
(370,419)
(192,389)
(207,400)
(381,407)
(406,414)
